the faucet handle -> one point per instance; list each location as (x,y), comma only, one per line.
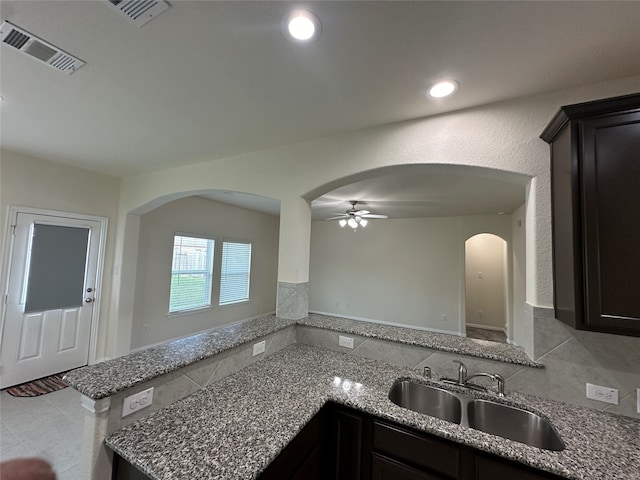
(500,380)
(462,371)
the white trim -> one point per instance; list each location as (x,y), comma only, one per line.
(393,324)
(12,218)
(488,327)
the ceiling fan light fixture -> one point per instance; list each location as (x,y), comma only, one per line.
(355,217)
(444,88)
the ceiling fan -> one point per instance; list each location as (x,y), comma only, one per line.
(355,218)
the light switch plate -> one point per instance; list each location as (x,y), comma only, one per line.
(602,394)
(137,401)
(345,341)
(259,348)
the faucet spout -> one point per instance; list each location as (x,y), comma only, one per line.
(496,377)
(463,379)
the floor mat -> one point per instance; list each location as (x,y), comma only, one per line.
(39,387)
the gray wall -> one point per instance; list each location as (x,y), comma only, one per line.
(403,271)
(198,216)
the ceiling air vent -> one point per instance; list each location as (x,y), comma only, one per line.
(139,12)
(38,49)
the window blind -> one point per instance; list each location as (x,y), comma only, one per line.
(191,272)
(235,272)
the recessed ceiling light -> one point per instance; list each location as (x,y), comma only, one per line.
(443,89)
(302,25)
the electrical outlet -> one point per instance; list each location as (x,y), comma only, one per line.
(602,394)
(445,318)
(137,401)
(345,341)
(145,328)
(259,348)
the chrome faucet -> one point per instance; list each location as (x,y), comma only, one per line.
(496,377)
(463,379)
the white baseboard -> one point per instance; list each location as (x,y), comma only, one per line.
(488,327)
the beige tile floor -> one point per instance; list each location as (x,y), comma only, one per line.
(49,426)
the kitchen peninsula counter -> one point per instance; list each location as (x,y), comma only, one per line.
(107,378)
(236,427)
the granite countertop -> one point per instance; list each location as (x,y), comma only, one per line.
(423,338)
(112,376)
(234,428)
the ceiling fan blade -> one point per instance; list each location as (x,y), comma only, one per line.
(338,217)
(374,216)
(361,212)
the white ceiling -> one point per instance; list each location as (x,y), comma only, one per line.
(209,79)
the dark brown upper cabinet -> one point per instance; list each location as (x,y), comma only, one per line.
(595,188)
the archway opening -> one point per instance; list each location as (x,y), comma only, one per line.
(486,287)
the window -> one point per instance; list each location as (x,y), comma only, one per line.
(236,269)
(191,273)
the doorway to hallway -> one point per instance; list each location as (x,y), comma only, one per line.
(486,277)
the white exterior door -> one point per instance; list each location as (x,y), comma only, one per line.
(51,294)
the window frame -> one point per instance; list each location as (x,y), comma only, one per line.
(203,307)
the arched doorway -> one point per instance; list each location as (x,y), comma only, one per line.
(486,277)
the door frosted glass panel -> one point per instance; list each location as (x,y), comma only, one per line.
(56,250)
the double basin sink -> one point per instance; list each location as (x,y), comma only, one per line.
(490,417)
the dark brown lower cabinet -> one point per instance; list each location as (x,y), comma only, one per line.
(383,468)
(302,458)
(340,443)
(491,468)
(345,444)
(123,470)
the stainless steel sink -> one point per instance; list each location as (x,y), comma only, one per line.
(490,417)
(426,399)
(513,423)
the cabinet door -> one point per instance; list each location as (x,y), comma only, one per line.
(123,470)
(420,450)
(300,460)
(611,221)
(383,468)
(488,468)
(344,450)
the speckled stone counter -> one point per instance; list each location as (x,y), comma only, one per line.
(234,428)
(107,378)
(422,338)
(112,376)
